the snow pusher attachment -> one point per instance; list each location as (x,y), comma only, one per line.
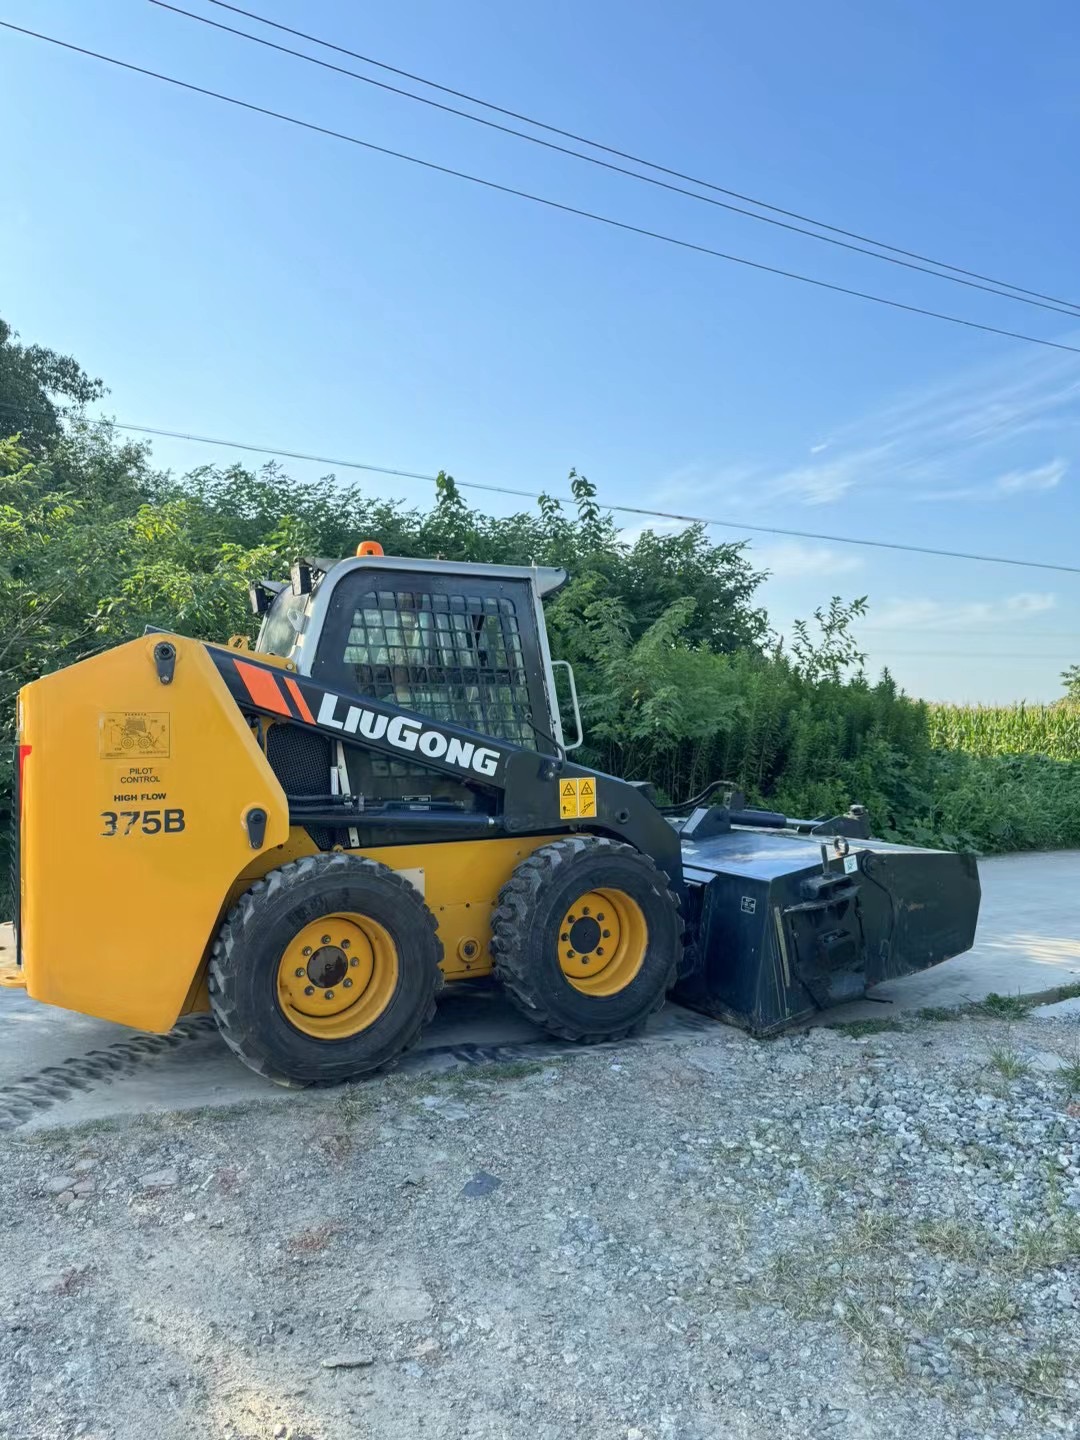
(792,917)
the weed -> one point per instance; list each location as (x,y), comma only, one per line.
(1055,1244)
(858,1028)
(1069,1075)
(937,1013)
(993,1306)
(873,1230)
(963,1243)
(801,1283)
(1009,1062)
(1040,1374)
(876,1335)
(1004,1007)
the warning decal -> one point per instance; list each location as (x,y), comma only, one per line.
(128,734)
(577,798)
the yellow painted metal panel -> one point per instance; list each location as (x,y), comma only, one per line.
(460,881)
(133,804)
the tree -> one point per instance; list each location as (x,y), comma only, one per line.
(834,650)
(1070,678)
(33,380)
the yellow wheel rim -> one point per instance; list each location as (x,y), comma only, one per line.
(337,976)
(602,942)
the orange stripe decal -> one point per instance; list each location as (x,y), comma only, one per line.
(299,701)
(263,688)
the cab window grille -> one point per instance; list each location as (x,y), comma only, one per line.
(455,658)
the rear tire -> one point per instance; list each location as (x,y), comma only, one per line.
(612,903)
(301,1007)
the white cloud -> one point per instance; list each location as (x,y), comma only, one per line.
(987,434)
(791,560)
(1042,477)
(1016,482)
(959,615)
(633,533)
(830,480)
(692,483)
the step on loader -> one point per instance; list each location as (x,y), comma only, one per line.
(309,838)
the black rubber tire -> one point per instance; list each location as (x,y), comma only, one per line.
(525,932)
(249,945)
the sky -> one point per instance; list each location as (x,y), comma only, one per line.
(233,276)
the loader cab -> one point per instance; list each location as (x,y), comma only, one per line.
(461,643)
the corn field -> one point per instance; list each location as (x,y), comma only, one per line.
(1050,730)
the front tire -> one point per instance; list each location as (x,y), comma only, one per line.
(325,970)
(587,938)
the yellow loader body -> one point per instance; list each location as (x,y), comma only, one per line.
(134,842)
(132,798)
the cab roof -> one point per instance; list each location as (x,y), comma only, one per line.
(547,578)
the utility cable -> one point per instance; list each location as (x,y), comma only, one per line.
(603,504)
(281,454)
(540,199)
(635,159)
(1058,309)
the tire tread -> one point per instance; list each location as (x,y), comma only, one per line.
(512,919)
(244,919)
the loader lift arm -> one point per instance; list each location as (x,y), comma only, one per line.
(526,788)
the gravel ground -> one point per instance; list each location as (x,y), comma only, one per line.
(865,1235)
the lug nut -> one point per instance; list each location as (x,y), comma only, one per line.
(570,954)
(600,915)
(599,949)
(309,989)
(326,939)
(607,934)
(565,935)
(585,910)
(346,984)
(300,972)
(354,962)
(306,950)
(328,994)
(345,944)
(570,919)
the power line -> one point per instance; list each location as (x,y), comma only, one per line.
(1057,308)
(971,655)
(740,525)
(540,199)
(278,452)
(635,159)
(947,632)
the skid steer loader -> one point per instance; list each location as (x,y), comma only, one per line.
(311,837)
